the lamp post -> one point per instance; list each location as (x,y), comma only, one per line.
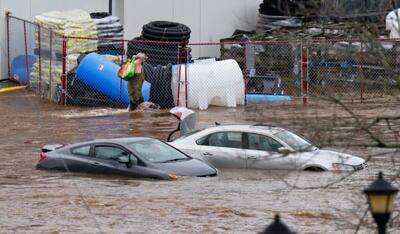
(381,196)
(277,227)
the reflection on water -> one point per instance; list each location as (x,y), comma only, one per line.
(237,201)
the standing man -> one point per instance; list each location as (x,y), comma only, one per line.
(135,84)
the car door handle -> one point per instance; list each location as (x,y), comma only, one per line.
(95,164)
(252,158)
(207,154)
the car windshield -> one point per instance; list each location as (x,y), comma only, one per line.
(156,151)
(294,141)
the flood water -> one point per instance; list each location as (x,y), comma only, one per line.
(236,201)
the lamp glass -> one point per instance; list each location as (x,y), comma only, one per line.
(381,203)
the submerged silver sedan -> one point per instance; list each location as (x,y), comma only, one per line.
(262,147)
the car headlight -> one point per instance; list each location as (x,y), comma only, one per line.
(342,167)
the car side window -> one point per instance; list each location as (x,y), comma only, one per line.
(109,152)
(264,143)
(223,139)
(203,140)
(82,150)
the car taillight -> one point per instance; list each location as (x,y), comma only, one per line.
(42,156)
(172,177)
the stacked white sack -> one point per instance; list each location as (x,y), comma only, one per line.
(73,23)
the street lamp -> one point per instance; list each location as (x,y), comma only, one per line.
(381,196)
(277,227)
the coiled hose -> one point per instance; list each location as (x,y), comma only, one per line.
(160,78)
(151,42)
(99,15)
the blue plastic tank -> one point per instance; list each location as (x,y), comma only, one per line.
(146,91)
(101,75)
(256,98)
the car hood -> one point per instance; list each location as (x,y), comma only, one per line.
(192,167)
(334,157)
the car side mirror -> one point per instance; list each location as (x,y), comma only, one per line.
(284,150)
(134,160)
(124,159)
(129,160)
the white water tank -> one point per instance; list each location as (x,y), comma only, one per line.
(209,82)
(392,24)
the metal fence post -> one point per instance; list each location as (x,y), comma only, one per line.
(8,44)
(304,72)
(50,61)
(64,70)
(40,60)
(26,54)
(246,71)
(186,74)
(122,62)
(362,77)
(179,75)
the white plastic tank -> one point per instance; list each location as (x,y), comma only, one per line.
(209,82)
(392,23)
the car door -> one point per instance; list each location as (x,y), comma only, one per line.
(106,162)
(223,149)
(105,158)
(262,153)
(78,159)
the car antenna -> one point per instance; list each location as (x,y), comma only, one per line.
(216,123)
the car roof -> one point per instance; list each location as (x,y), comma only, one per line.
(122,140)
(248,127)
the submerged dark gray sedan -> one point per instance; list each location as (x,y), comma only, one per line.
(133,156)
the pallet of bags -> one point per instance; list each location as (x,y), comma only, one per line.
(76,24)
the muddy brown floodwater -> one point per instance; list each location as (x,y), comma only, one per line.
(236,201)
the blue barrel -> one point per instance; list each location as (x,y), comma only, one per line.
(146,91)
(19,67)
(101,75)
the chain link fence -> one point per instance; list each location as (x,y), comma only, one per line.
(269,67)
(196,75)
(35,58)
(83,90)
(353,69)
(95,83)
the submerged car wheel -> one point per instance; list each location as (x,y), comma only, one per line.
(315,169)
